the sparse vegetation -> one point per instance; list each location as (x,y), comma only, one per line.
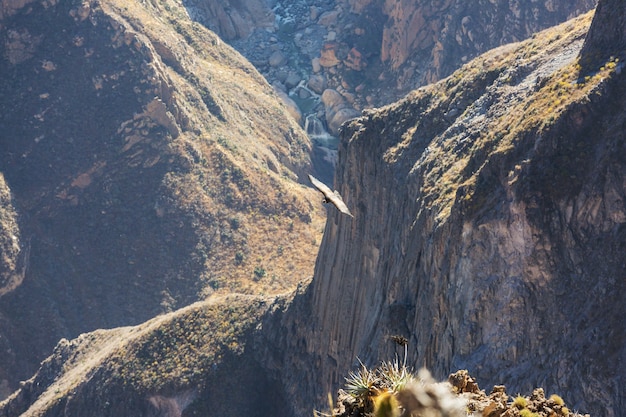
(259,272)
(181,349)
(556,399)
(391,390)
(471,119)
(520,402)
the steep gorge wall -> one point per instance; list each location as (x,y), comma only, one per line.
(491,247)
(423,41)
(133,180)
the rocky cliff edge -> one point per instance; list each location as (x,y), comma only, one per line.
(489,227)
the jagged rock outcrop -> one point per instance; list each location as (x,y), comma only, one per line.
(145,165)
(446,27)
(11,274)
(608,34)
(489,227)
(375,51)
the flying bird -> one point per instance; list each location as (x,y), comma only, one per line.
(330,196)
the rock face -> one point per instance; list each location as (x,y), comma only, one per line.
(607,35)
(374,52)
(489,227)
(488,230)
(441,30)
(133,179)
(231,19)
(10,274)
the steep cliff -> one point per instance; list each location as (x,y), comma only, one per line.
(489,229)
(424,41)
(374,52)
(145,165)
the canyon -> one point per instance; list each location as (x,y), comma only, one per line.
(165,254)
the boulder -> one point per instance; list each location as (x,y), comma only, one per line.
(338,110)
(292,80)
(277,59)
(292,107)
(328,56)
(354,60)
(328,18)
(315,64)
(317,83)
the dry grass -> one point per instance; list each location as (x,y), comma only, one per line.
(246,173)
(173,351)
(508,93)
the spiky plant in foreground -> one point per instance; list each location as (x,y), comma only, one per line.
(369,387)
(363,385)
(391,390)
(394,377)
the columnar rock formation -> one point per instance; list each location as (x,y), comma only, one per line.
(489,228)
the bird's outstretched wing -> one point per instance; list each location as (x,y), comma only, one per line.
(330,196)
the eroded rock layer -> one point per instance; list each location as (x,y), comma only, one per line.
(489,228)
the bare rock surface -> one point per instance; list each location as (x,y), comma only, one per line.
(231,19)
(379,50)
(489,216)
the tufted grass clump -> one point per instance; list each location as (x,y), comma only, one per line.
(557,400)
(520,402)
(525,412)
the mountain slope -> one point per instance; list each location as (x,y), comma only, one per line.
(146,165)
(488,229)
(193,360)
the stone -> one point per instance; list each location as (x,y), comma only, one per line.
(339,117)
(328,18)
(332,98)
(328,56)
(337,109)
(303,93)
(317,83)
(277,59)
(315,65)
(354,60)
(292,80)
(290,104)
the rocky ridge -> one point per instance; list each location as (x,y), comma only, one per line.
(193,360)
(370,53)
(496,269)
(134,180)
(493,241)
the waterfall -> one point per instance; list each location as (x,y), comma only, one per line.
(317,132)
